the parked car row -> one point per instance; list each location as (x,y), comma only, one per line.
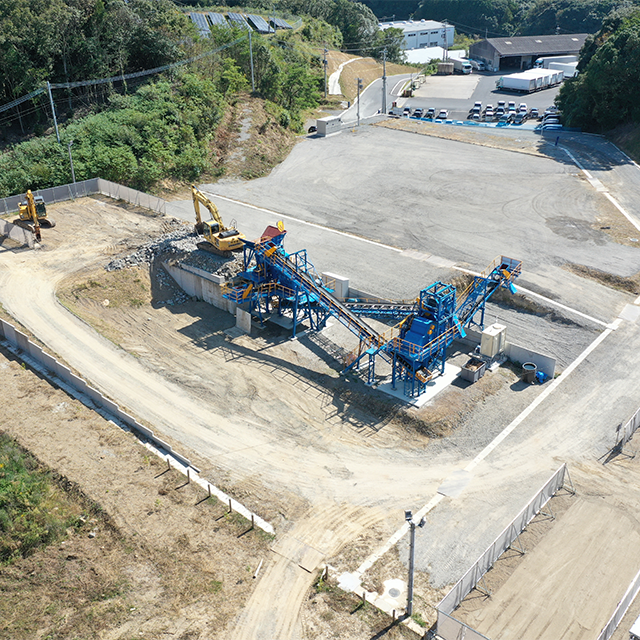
(430,113)
(504,113)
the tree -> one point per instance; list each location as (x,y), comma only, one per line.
(606,93)
(392,40)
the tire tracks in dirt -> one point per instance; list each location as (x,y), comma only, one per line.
(273,611)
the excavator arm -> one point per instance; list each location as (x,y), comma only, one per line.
(200,198)
(28,212)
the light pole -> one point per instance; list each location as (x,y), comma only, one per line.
(359,88)
(408,516)
(73,173)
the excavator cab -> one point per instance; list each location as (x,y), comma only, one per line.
(34,209)
(221,240)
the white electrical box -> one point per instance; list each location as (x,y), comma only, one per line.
(493,340)
(339,284)
(329,125)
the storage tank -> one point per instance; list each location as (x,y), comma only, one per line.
(493,340)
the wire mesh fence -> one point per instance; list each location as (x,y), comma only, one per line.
(87,188)
(472,577)
(625,433)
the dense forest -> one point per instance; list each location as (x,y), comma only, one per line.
(606,93)
(495,18)
(146,129)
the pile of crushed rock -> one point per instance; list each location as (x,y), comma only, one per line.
(179,242)
(180,239)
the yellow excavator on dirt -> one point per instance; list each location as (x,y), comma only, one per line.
(33,211)
(219,239)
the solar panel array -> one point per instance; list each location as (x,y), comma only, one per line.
(201,22)
(259,23)
(238,20)
(280,23)
(217,19)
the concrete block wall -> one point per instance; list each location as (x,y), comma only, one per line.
(16,233)
(19,340)
(202,285)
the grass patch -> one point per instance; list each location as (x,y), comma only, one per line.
(417,618)
(34,512)
(114,289)
(628,285)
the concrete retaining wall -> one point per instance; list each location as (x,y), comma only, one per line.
(516,353)
(16,233)
(202,285)
(88,394)
(519,354)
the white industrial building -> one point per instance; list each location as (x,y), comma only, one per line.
(420,34)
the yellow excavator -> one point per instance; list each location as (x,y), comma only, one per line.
(219,239)
(34,212)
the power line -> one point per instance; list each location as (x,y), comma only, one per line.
(122,77)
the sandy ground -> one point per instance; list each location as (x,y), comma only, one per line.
(570,580)
(163,563)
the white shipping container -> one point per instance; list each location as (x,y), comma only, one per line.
(568,68)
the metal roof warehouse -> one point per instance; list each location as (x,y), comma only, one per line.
(522,52)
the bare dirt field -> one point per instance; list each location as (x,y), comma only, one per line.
(261,377)
(578,563)
(165,561)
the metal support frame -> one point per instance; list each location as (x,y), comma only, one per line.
(427,330)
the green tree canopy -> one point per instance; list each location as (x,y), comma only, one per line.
(606,93)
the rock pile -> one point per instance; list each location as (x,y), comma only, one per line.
(182,239)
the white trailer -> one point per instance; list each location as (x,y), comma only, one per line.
(531,80)
(570,69)
(517,82)
(543,63)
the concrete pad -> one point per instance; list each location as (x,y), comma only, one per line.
(349,581)
(394,595)
(631,313)
(451,87)
(434,387)
(455,484)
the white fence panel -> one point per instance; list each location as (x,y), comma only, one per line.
(621,609)
(470,579)
(16,233)
(625,433)
(87,188)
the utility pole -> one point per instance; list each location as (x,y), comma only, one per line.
(408,516)
(359,89)
(384,81)
(324,62)
(253,82)
(53,110)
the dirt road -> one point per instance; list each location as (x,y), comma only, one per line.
(278,432)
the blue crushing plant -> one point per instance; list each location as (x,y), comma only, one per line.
(274,281)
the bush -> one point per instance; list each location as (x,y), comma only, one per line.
(33,512)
